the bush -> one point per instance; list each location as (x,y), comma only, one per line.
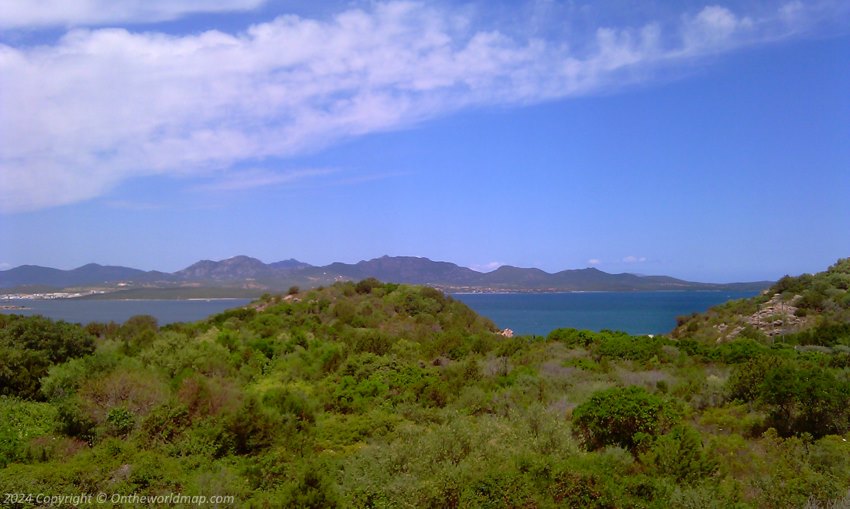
(573,338)
(30,345)
(21,421)
(120,421)
(680,454)
(746,378)
(313,488)
(251,428)
(623,346)
(740,350)
(624,417)
(58,340)
(809,400)
(138,332)
(367,285)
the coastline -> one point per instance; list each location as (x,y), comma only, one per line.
(569,292)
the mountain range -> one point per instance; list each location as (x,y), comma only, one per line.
(246,273)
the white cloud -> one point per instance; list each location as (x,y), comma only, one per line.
(259,177)
(714,26)
(103,106)
(634,259)
(138,206)
(594,261)
(43,13)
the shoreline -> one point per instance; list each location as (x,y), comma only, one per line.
(569,292)
(105,297)
(78,299)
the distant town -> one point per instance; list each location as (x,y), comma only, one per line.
(50,295)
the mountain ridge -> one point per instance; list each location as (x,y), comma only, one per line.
(247,272)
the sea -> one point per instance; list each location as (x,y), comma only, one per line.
(84,311)
(524,313)
(632,312)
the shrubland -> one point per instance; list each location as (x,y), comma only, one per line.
(381,395)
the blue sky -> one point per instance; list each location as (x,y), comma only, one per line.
(708,141)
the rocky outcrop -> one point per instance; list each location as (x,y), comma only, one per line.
(775,317)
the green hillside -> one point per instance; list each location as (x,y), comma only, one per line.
(382,395)
(804,310)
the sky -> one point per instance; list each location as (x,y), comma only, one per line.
(703,140)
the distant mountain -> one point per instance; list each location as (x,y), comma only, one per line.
(291,264)
(246,272)
(238,267)
(400,269)
(87,275)
(507,276)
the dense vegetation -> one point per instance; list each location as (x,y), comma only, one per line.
(383,395)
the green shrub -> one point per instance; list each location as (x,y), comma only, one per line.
(577,489)
(680,454)
(624,417)
(623,346)
(251,427)
(367,285)
(808,400)
(746,379)
(165,423)
(573,338)
(21,421)
(138,332)
(30,345)
(738,351)
(313,489)
(73,421)
(498,489)
(120,421)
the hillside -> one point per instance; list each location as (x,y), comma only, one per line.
(806,310)
(245,273)
(384,395)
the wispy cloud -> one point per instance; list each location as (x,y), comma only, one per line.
(244,180)
(368,177)
(634,259)
(134,205)
(42,13)
(102,106)
(594,262)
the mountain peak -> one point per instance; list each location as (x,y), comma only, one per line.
(242,259)
(290,264)
(89,266)
(236,267)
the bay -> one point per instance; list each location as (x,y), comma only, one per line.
(632,312)
(524,313)
(85,311)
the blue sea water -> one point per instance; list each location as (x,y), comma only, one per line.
(85,311)
(524,313)
(632,312)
